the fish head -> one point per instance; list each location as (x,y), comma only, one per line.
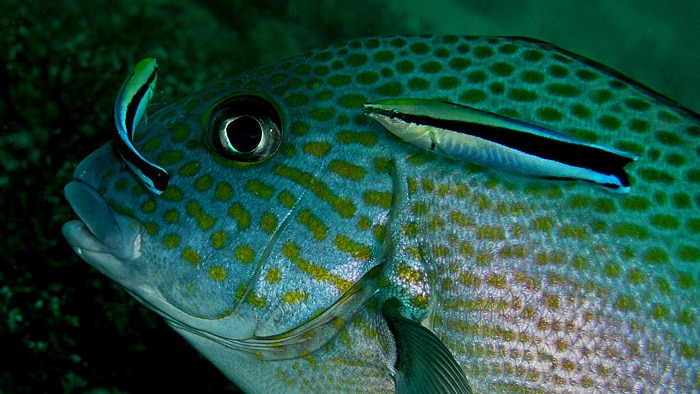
(249,239)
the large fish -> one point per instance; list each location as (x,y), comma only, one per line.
(304,240)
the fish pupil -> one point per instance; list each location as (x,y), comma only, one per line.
(244,133)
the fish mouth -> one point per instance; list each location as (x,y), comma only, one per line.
(102,237)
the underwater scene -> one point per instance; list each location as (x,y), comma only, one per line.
(378,196)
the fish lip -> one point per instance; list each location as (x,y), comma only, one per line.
(100,230)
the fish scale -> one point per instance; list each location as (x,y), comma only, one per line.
(532,285)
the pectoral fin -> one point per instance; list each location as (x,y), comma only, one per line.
(423,363)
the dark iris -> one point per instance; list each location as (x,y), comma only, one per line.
(244,133)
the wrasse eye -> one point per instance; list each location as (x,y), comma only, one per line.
(245,129)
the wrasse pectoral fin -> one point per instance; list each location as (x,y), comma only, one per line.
(423,363)
(500,142)
(129,109)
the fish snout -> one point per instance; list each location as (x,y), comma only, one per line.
(101,236)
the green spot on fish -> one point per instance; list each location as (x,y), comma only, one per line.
(404,67)
(339,80)
(237,212)
(580,111)
(563,89)
(273,276)
(384,56)
(381,199)
(533,55)
(448,82)
(353,248)
(171,241)
(300,128)
(390,89)
(689,253)
(296,100)
(203,183)
(171,216)
(180,132)
(363,138)
(358,59)
(217,273)
(692,175)
(636,203)
(600,96)
(473,96)
(189,169)
(148,206)
(549,114)
(191,256)
(483,52)
(259,189)
(655,255)
(286,199)
(343,206)
(295,297)
(418,84)
(666,222)
(352,100)
(347,170)
(532,76)
(172,193)
(431,67)
(558,71)
(268,222)
(459,63)
(291,251)
(244,254)
(367,77)
(631,230)
(152,144)
(419,48)
(218,239)
(223,191)
(317,148)
(171,157)
(524,95)
(195,210)
(323,114)
(313,223)
(656,176)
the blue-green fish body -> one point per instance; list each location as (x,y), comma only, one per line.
(300,246)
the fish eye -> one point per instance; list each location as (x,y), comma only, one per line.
(242,135)
(245,129)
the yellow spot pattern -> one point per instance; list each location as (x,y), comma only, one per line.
(217,273)
(291,252)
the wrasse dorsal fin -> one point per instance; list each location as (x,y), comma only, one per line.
(423,363)
(469,134)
